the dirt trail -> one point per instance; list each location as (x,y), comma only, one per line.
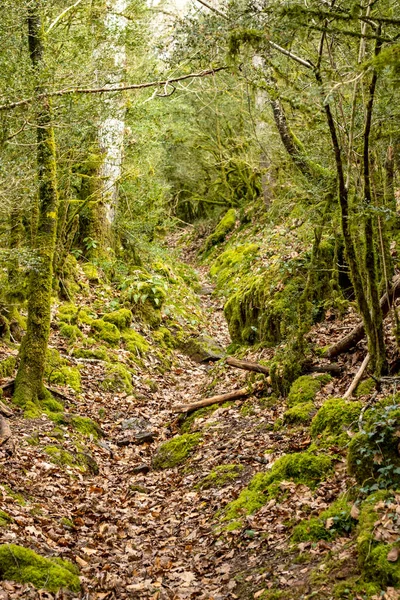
(150,534)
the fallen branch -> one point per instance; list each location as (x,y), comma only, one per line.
(246,365)
(5,431)
(333,368)
(357,334)
(241,393)
(5,410)
(357,378)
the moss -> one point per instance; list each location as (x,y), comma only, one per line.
(70,332)
(121,318)
(25,566)
(7,366)
(19,498)
(302,467)
(299,414)
(68,313)
(225,226)
(355,588)
(334,521)
(305,388)
(99,353)
(232,263)
(69,376)
(365,387)
(67,523)
(165,338)
(175,451)
(5,519)
(372,552)
(220,476)
(118,379)
(79,460)
(86,426)
(333,420)
(50,404)
(91,272)
(202,348)
(135,343)
(106,331)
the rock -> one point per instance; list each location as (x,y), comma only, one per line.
(141,437)
(143,468)
(135,423)
(206,290)
(202,349)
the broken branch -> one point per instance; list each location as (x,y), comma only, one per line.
(357,378)
(241,393)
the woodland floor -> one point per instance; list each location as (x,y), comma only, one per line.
(152,534)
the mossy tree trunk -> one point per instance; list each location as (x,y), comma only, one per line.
(29,381)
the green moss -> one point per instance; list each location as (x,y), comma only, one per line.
(135,343)
(355,588)
(220,476)
(305,388)
(86,426)
(165,339)
(365,387)
(70,332)
(333,420)
(373,553)
(231,264)
(7,366)
(301,468)
(99,353)
(175,451)
(68,313)
(106,331)
(5,519)
(121,318)
(67,523)
(118,378)
(334,521)
(50,404)
(25,566)
(91,272)
(80,460)
(225,226)
(66,376)
(299,414)
(19,498)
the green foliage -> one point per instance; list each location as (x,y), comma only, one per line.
(301,468)
(299,414)
(175,451)
(333,418)
(220,476)
(118,379)
(107,332)
(7,366)
(25,566)
(305,388)
(373,457)
(334,521)
(121,318)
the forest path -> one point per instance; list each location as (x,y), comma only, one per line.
(138,532)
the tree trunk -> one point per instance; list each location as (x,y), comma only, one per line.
(29,387)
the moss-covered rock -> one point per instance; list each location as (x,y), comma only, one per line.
(86,426)
(301,467)
(225,226)
(175,451)
(68,313)
(78,460)
(372,549)
(118,378)
(25,566)
(99,353)
(91,272)
(107,332)
(70,332)
(5,519)
(299,414)
(230,263)
(7,366)
(202,349)
(135,343)
(365,387)
(221,476)
(121,318)
(334,418)
(59,372)
(334,521)
(305,388)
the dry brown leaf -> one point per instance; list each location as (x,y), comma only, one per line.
(393,554)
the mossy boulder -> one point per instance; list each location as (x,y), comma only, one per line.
(107,332)
(118,378)
(7,366)
(86,426)
(135,342)
(334,521)
(225,226)
(366,387)
(305,388)
(373,455)
(71,332)
(202,349)
(81,461)
(221,476)
(175,451)
(58,371)
(5,519)
(26,566)
(99,353)
(300,414)
(302,467)
(91,272)
(334,418)
(121,318)
(68,313)
(373,547)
